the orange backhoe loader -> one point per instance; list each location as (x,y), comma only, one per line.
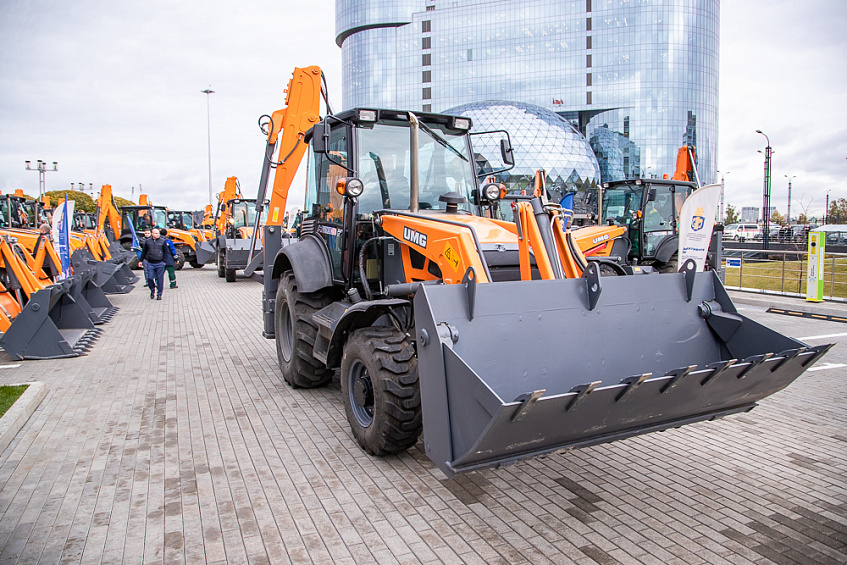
(447,323)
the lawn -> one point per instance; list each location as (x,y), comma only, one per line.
(8,396)
(788,276)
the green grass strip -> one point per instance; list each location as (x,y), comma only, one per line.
(8,396)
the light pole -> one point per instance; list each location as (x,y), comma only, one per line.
(788,215)
(722,177)
(766,192)
(826,210)
(41,167)
(207,92)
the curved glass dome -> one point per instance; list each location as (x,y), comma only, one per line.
(541,139)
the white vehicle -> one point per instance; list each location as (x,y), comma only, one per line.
(741,232)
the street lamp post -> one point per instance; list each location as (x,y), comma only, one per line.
(766,192)
(207,92)
(722,185)
(788,214)
(41,167)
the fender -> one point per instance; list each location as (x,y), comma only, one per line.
(359,315)
(667,248)
(309,259)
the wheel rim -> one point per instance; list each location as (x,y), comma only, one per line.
(286,332)
(360,392)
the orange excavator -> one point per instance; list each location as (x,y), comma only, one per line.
(446,323)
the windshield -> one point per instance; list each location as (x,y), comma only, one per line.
(620,203)
(187,221)
(4,213)
(385,167)
(243,213)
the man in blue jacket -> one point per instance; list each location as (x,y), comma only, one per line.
(153,250)
(170,258)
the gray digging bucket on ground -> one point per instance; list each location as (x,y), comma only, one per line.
(205,251)
(52,325)
(92,298)
(109,277)
(516,369)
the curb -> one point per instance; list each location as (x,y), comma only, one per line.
(17,414)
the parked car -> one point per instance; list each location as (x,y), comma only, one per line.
(773,234)
(742,232)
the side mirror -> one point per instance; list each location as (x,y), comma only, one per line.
(320,137)
(651,195)
(506,151)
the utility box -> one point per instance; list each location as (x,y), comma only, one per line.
(814,281)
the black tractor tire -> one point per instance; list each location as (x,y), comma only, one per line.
(179,262)
(295,333)
(219,261)
(380,390)
(194,263)
(672,266)
(229,275)
(127,244)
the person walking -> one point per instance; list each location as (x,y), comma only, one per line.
(153,251)
(170,258)
(147,235)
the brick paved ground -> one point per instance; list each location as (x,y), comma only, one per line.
(175,440)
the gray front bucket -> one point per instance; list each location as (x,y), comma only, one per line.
(91,298)
(206,251)
(536,371)
(111,278)
(52,325)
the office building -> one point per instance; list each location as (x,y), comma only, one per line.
(638,78)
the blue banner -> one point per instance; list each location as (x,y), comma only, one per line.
(136,246)
(62,234)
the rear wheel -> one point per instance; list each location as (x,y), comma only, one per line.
(229,275)
(194,263)
(379,386)
(671,266)
(179,262)
(295,333)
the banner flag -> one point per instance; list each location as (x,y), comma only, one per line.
(61,231)
(696,221)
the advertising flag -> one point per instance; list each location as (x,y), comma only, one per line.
(61,231)
(696,220)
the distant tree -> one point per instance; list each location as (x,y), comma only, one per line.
(731,215)
(84,203)
(123,202)
(837,213)
(801,219)
(777,218)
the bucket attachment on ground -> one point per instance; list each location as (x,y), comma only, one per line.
(206,251)
(515,369)
(52,325)
(111,278)
(91,297)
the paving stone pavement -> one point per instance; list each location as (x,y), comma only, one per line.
(175,440)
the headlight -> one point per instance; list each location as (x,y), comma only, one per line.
(349,186)
(491,192)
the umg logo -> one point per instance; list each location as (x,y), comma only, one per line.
(415,237)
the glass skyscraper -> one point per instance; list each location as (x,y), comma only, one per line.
(639,78)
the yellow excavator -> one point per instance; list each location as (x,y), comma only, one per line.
(480,334)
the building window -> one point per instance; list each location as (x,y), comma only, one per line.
(588,79)
(426,26)
(427,76)
(588,61)
(588,97)
(426,60)
(427,108)
(426,42)
(587,24)
(427,93)
(430,8)
(588,42)
(470,54)
(587,5)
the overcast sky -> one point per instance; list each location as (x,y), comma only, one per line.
(112,91)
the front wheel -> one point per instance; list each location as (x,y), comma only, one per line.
(229,275)
(295,333)
(380,390)
(219,261)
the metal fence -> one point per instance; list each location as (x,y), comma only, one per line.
(782,272)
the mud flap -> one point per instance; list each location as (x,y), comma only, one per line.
(537,370)
(205,251)
(52,325)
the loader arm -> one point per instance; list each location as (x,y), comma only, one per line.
(107,214)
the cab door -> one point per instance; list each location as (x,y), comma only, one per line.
(324,212)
